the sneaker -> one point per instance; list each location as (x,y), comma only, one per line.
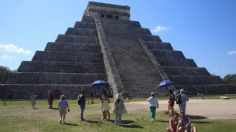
(60,121)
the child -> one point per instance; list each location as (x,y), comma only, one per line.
(33,100)
(153,104)
(105,106)
(119,109)
(62,106)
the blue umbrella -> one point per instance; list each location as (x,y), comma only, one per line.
(98,84)
(165,83)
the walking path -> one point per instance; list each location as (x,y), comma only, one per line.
(211,108)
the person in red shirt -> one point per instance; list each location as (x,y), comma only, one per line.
(173,123)
(50,99)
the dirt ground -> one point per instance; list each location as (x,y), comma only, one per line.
(210,109)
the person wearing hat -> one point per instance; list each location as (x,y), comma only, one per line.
(81,103)
(62,106)
(153,105)
(119,109)
(184,99)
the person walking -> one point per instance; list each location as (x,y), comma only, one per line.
(81,103)
(63,107)
(119,109)
(105,106)
(153,105)
(50,99)
(183,102)
(171,103)
(33,101)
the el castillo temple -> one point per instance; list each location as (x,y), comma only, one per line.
(107,45)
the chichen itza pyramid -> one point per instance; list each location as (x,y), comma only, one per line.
(107,45)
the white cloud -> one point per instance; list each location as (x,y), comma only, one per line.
(14,49)
(159,28)
(7,57)
(233,52)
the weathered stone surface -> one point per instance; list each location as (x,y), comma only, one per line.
(77,57)
(72,47)
(69,67)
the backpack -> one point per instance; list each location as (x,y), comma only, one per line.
(178,99)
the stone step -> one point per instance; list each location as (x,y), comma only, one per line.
(72,47)
(175,70)
(90,25)
(142,31)
(24,91)
(77,39)
(54,78)
(190,80)
(176,62)
(121,22)
(79,57)
(158,45)
(167,54)
(81,31)
(88,19)
(208,89)
(67,67)
(150,38)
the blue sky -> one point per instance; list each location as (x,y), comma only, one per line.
(204,30)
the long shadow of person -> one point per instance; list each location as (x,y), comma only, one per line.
(70,124)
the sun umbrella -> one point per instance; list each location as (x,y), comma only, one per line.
(98,84)
(165,83)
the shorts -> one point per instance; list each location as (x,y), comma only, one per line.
(62,111)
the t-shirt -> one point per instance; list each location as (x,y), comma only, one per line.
(184,98)
(62,104)
(152,101)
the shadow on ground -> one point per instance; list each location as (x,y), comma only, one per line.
(197,117)
(70,124)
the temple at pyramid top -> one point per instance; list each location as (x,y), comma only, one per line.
(109,11)
(107,45)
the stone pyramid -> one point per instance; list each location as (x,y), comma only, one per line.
(107,45)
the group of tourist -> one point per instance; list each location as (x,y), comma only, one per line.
(118,109)
(178,123)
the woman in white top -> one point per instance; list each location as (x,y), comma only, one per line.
(62,106)
(153,104)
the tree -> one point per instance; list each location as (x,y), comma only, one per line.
(3,73)
(230,79)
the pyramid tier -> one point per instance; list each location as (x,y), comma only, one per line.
(68,67)
(77,39)
(167,54)
(78,57)
(72,47)
(189,79)
(176,62)
(158,45)
(85,25)
(54,78)
(81,31)
(173,70)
